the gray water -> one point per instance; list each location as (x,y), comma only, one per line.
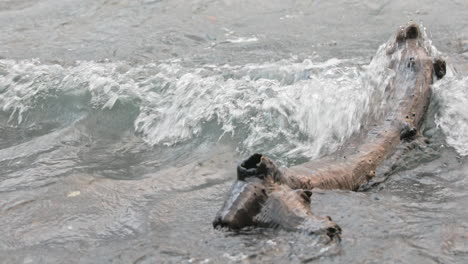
(121,123)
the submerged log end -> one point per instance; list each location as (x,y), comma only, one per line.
(440,68)
(258,166)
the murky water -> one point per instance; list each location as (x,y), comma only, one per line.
(121,123)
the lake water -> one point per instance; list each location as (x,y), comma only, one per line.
(122,122)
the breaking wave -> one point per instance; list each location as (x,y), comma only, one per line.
(287,108)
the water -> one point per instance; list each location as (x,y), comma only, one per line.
(121,123)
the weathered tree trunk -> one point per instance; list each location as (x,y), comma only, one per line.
(347,169)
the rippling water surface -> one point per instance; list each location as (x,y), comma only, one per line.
(121,123)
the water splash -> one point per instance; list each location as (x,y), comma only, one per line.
(298,110)
(452,117)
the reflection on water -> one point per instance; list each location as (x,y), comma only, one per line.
(121,123)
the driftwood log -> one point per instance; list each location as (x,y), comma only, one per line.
(266,195)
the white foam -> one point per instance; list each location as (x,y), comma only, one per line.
(283,108)
(452,117)
(242,40)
